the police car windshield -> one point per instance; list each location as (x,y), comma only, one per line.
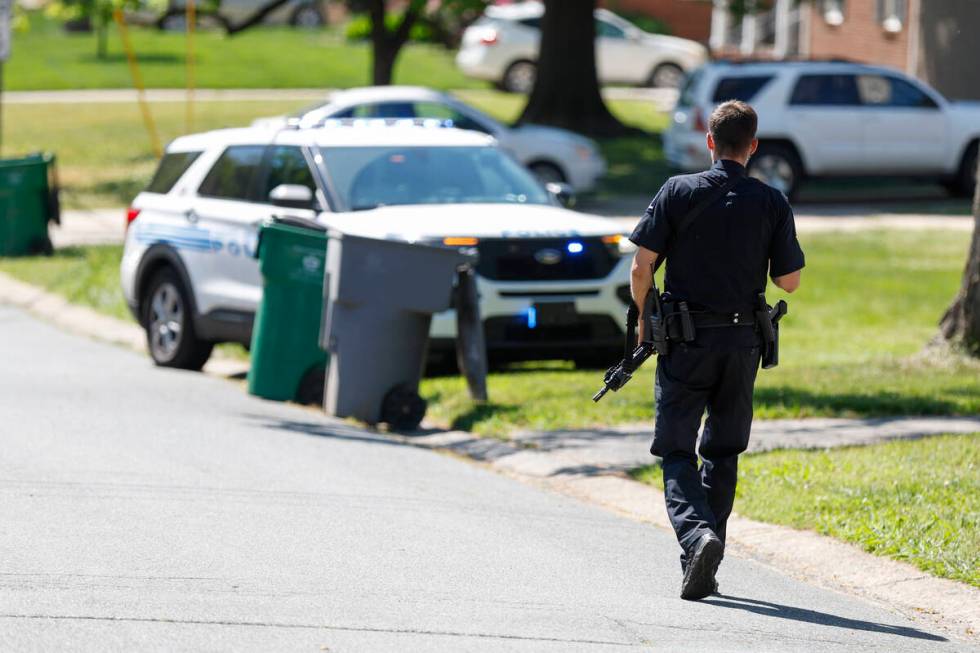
(364,178)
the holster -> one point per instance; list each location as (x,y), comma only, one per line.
(678,322)
(767,319)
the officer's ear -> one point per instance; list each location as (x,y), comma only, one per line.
(711,141)
(754,147)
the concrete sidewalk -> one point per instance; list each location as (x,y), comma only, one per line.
(618,449)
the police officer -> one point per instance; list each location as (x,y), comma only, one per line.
(718,265)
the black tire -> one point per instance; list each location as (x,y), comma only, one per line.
(519,77)
(307,16)
(166,305)
(403,409)
(779,167)
(666,75)
(548,173)
(965,183)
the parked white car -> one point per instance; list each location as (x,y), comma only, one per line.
(552,282)
(822,119)
(502,47)
(553,155)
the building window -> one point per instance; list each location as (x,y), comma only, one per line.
(891,14)
(833,12)
(765,33)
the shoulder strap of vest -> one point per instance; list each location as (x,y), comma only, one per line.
(692,215)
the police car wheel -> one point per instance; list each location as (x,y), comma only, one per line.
(520,77)
(778,167)
(169,328)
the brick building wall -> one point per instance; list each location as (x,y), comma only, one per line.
(860,37)
(689,19)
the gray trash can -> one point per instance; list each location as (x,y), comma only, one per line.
(381,295)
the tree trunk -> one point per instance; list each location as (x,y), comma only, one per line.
(961,323)
(386,45)
(102,36)
(382,63)
(566,90)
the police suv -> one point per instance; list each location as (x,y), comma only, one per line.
(553,282)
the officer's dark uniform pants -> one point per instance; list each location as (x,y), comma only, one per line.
(716,374)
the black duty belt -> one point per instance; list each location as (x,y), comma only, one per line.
(708,320)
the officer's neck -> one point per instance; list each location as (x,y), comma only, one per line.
(742,161)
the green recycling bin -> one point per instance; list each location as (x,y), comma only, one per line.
(287,362)
(28,201)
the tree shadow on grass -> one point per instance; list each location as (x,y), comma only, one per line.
(814,617)
(872,404)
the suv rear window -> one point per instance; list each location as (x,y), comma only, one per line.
(233,173)
(739,88)
(825,90)
(172,167)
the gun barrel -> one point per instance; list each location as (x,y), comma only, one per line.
(602,393)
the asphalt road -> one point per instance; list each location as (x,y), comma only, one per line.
(144,509)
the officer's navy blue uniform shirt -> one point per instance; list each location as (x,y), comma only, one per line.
(720,263)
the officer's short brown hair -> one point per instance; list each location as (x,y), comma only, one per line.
(732,124)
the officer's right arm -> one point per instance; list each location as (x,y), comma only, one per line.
(788,282)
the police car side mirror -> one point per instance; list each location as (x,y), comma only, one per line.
(291,196)
(563,193)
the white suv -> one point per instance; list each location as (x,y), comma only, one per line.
(553,282)
(820,119)
(502,47)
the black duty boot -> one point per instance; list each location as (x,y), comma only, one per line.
(702,563)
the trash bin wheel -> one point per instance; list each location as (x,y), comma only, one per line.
(311,386)
(403,408)
(170,335)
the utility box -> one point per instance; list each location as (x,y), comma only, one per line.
(381,295)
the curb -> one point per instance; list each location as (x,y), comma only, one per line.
(804,555)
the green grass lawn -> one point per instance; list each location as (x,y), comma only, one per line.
(105,157)
(917,501)
(850,346)
(45,57)
(82,275)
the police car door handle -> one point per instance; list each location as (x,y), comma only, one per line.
(191,215)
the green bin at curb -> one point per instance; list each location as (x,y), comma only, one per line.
(28,201)
(287,362)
